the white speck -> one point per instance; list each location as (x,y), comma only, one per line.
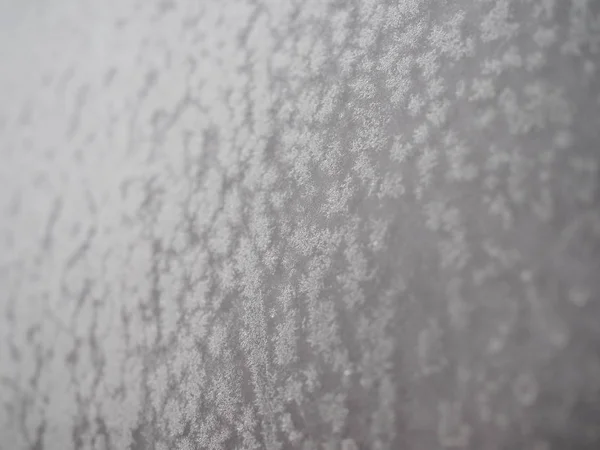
(526,276)
(578,297)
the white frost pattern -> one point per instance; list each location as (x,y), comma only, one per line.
(279,224)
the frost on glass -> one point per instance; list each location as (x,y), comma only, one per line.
(281,224)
